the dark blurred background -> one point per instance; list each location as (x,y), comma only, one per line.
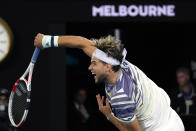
(157,45)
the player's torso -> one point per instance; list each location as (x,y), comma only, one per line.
(152,103)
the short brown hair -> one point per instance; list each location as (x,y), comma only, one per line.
(112,47)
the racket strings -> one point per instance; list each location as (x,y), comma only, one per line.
(19,102)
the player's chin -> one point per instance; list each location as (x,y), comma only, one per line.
(96,80)
(99,80)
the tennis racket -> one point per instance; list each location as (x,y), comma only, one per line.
(19,99)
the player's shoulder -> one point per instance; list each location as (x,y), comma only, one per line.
(127,63)
(129,66)
(130,70)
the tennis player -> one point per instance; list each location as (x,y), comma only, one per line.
(134,102)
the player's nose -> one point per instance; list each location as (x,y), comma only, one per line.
(90,68)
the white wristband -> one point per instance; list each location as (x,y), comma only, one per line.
(50,41)
(56,41)
(46,41)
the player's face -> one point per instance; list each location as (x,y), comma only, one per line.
(182,78)
(98,69)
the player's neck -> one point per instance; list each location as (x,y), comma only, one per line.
(112,78)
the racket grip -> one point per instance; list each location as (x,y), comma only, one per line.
(35,55)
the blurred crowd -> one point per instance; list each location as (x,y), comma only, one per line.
(183,97)
(4,120)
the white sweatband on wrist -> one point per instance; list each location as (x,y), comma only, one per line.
(50,41)
(56,41)
(46,41)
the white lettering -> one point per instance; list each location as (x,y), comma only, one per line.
(152,10)
(133,11)
(170,10)
(97,11)
(122,10)
(113,12)
(143,10)
(161,10)
(107,11)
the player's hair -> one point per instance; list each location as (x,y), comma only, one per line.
(183,70)
(112,47)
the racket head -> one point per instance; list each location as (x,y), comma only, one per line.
(19,103)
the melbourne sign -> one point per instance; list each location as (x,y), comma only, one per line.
(133,11)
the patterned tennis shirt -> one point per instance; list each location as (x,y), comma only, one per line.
(134,96)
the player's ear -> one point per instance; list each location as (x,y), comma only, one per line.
(109,67)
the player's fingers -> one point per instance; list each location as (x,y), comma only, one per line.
(39,35)
(35,41)
(107,102)
(102,99)
(98,99)
(38,40)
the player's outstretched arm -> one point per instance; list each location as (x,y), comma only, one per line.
(106,110)
(44,41)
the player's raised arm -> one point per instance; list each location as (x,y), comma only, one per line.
(46,41)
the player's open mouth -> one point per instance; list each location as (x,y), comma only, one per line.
(94,75)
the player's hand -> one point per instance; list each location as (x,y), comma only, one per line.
(38,40)
(105,109)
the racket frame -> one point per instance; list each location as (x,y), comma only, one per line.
(29,72)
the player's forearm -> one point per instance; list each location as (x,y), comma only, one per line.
(123,126)
(73,42)
(118,124)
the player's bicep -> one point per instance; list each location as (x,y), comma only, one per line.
(89,50)
(77,42)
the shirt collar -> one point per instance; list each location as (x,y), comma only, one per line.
(109,87)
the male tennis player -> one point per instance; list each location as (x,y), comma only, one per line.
(137,103)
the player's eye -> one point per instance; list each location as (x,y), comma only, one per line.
(93,63)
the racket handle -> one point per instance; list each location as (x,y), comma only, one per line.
(35,55)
